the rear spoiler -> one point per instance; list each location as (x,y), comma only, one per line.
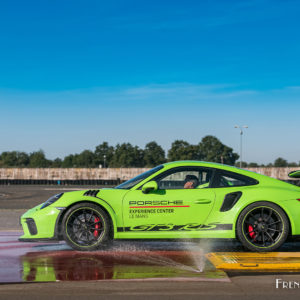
(294,174)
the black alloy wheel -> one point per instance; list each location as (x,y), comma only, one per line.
(262,226)
(86,227)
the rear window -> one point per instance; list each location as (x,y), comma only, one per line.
(230,179)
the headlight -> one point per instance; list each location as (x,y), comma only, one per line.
(51,200)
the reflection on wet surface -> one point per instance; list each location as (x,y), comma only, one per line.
(70,266)
(130,260)
(38,262)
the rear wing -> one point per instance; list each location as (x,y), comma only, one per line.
(294,174)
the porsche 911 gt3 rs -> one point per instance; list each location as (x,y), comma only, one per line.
(177,200)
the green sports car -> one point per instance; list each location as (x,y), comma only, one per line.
(185,199)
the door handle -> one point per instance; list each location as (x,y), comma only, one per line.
(202,201)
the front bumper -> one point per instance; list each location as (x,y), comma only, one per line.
(40,224)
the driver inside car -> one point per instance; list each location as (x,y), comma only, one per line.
(190,182)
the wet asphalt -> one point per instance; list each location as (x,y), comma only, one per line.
(15,200)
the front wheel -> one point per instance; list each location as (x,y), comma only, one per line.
(86,227)
(262,227)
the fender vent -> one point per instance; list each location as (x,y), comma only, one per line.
(230,200)
(91,193)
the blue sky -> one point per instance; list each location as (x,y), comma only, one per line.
(76,73)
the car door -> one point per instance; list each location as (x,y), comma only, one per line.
(172,207)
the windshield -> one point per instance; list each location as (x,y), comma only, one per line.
(132,182)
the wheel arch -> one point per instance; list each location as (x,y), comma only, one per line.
(107,210)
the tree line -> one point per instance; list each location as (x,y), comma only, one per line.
(278,163)
(127,155)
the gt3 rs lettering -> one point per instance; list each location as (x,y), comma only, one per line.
(172,227)
(152,227)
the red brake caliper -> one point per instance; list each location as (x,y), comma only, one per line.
(97,226)
(252,234)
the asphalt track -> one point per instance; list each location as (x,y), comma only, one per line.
(131,270)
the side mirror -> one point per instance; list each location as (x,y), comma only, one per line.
(150,186)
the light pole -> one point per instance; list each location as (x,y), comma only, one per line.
(241,141)
(104,157)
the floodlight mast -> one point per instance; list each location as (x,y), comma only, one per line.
(241,141)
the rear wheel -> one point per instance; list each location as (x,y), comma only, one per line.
(262,226)
(86,227)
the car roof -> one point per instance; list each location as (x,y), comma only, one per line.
(216,166)
(201,163)
(262,179)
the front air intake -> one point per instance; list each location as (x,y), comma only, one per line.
(31,226)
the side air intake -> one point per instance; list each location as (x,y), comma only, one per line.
(230,200)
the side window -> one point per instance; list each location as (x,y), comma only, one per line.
(229,179)
(184,178)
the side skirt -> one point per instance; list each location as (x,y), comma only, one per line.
(39,240)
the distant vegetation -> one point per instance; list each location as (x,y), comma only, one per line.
(279,162)
(126,155)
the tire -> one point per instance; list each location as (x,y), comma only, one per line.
(87,227)
(262,227)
